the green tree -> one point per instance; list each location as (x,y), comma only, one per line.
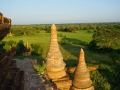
(106,38)
(11,43)
(36,49)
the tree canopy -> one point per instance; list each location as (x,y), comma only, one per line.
(105,38)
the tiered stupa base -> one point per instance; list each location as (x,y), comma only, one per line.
(89,88)
(63,83)
(57,74)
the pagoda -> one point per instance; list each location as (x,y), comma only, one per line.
(82,79)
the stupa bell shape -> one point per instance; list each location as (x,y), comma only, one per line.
(82,79)
(55,65)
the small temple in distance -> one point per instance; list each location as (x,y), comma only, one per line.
(27,51)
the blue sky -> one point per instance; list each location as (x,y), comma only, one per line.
(60,11)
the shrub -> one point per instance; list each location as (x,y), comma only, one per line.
(40,68)
(114,55)
(92,45)
(48,30)
(99,81)
(11,43)
(20,47)
(6,47)
(36,49)
(60,35)
(8,44)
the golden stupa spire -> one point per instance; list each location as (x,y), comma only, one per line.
(82,79)
(55,65)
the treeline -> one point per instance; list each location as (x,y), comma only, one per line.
(36,28)
(105,37)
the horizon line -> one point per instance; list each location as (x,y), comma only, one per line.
(69,23)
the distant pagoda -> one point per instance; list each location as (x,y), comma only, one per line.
(27,51)
(55,65)
(82,79)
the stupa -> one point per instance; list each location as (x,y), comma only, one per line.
(55,66)
(27,51)
(82,79)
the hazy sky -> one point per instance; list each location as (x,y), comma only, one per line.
(60,11)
